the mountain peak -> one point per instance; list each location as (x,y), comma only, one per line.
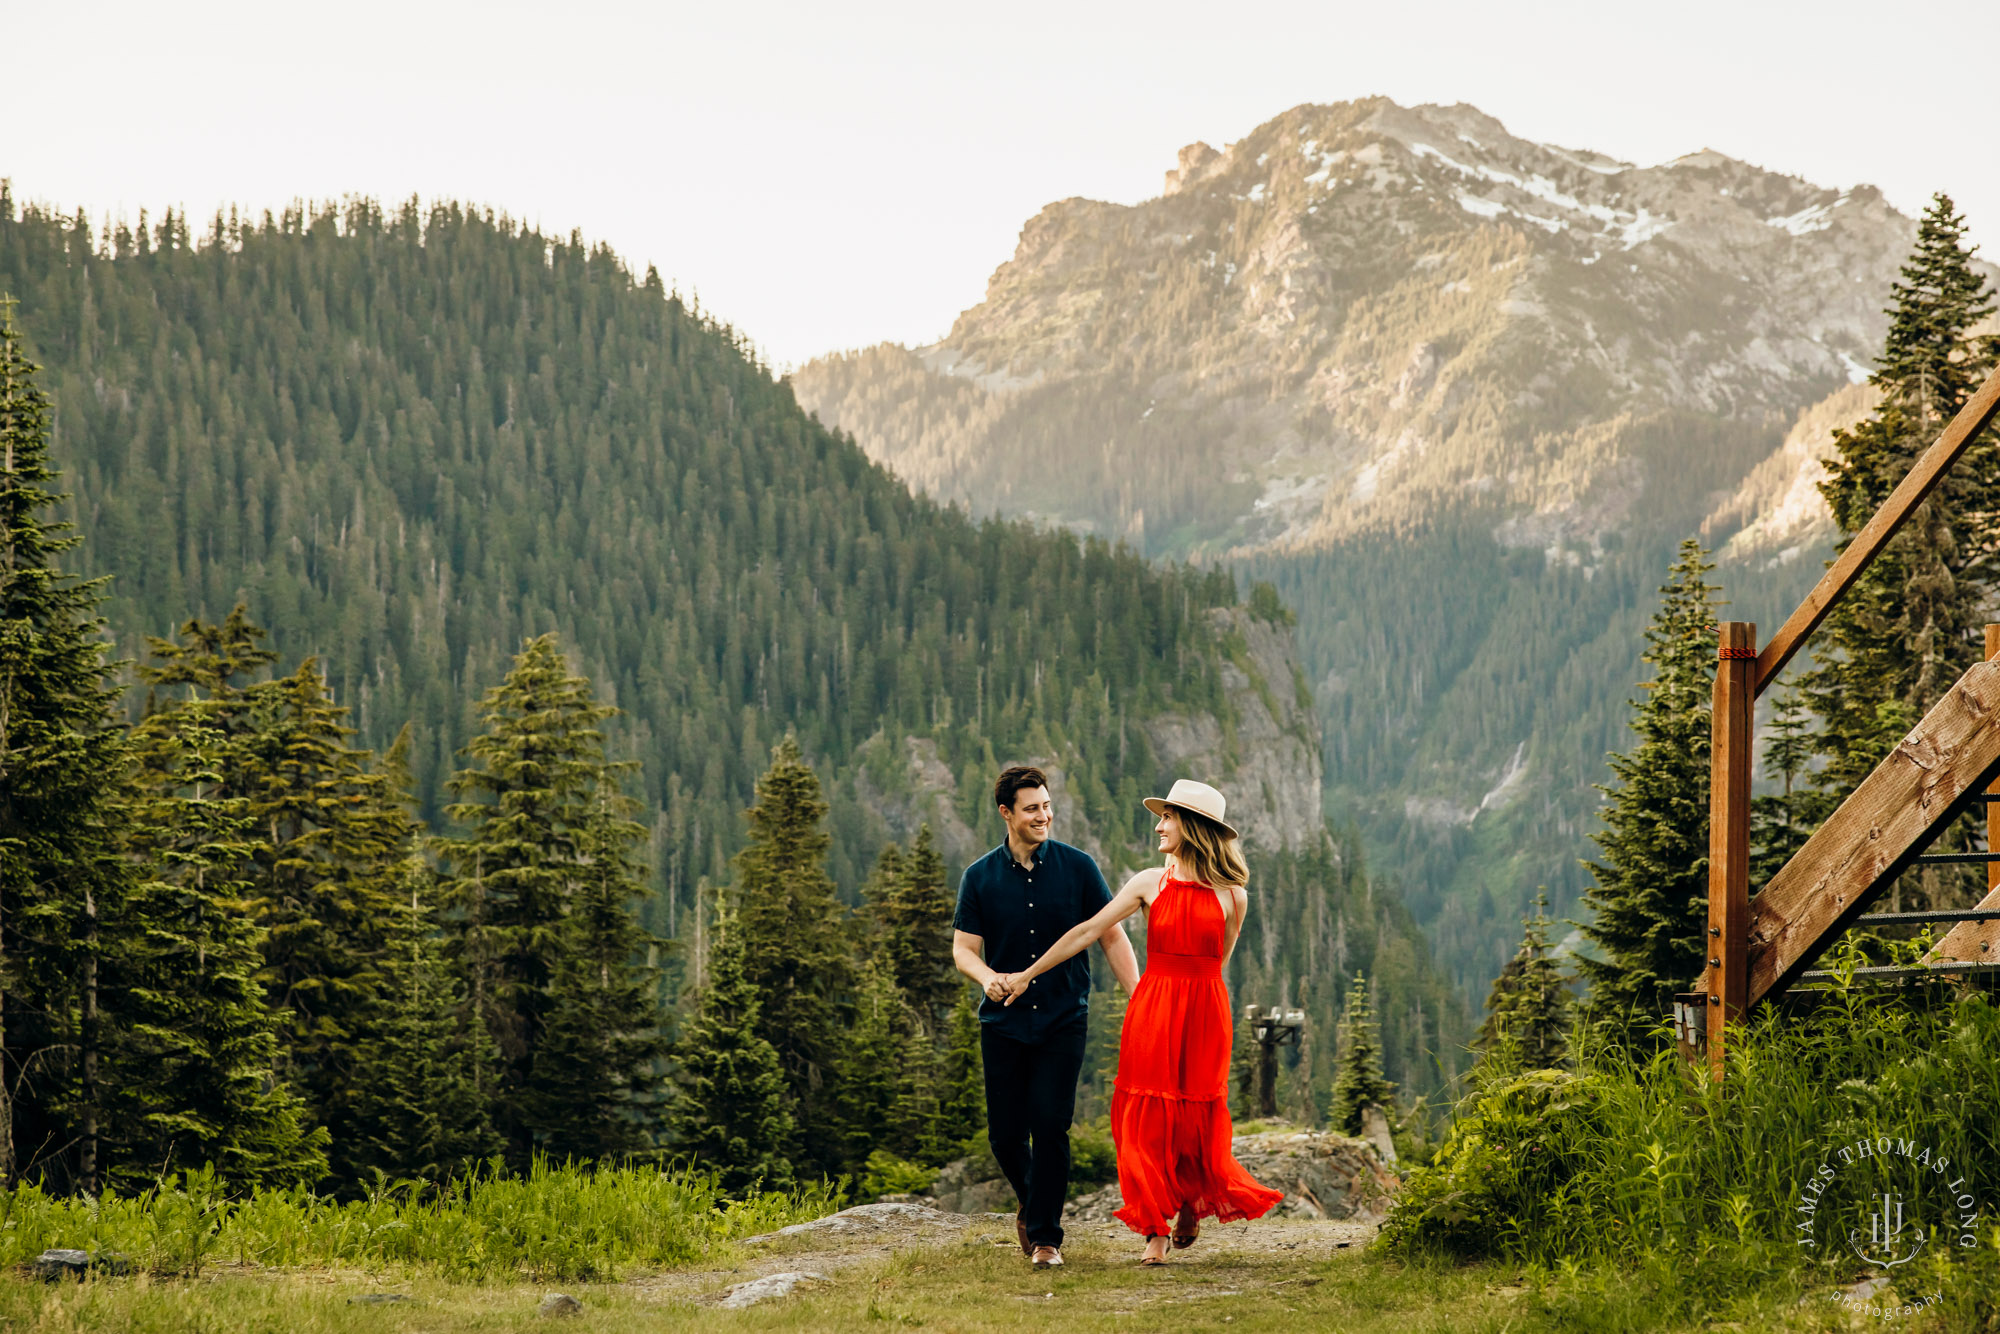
(1361,311)
(1193,160)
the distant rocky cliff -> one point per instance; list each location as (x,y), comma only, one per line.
(1267,759)
(1262,751)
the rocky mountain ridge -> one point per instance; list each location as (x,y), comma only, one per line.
(1362,311)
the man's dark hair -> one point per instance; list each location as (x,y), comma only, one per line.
(1013,779)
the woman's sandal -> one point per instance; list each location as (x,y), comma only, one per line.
(1183,1240)
(1151,1261)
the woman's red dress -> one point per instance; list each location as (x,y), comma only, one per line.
(1170,1106)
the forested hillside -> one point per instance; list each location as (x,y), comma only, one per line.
(411,440)
(1445,645)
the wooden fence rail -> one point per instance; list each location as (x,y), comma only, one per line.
(1757,948)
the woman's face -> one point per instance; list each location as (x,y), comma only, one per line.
(1169,830)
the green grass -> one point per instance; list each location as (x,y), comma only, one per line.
(964,1288)
(557,1223)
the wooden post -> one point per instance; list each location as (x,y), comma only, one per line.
(1729,832)
(1992,814)
(1974,942)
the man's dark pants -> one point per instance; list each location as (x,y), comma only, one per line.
(1030,1101)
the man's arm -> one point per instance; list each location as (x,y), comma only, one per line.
(1118,953)
(968,952)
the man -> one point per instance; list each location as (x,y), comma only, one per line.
(1013,903)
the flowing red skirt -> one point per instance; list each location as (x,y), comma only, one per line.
(1170,1106)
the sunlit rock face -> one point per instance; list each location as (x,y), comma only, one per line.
(1361,312)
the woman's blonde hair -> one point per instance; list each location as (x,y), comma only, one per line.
(1208,853)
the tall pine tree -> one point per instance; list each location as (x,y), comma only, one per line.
(1528,1010)
(916,919)
(1649,899)
(191,1074)
(730,1112)
(795,952)
(594,1089)
(962,1078)
(530,806)
(59,751)
(425,1061)
(1909,626)
(329,838)
(1357,1072)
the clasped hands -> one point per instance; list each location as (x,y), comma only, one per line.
(1006,988)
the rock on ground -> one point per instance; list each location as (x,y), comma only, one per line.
(560,1304)
(1323,1176)
(765,1288)
(958,1190)
(60,1263)
(886,1222)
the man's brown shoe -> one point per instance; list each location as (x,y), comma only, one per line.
(1021,1231)
(1048,1257)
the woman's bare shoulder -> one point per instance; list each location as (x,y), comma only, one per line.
(1147,882)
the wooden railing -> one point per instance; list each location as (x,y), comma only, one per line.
(1933,777)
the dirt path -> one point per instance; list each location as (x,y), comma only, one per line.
(876,1233)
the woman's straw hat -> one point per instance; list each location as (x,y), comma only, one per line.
(1189,795)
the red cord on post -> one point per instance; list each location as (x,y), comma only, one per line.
(1726,652)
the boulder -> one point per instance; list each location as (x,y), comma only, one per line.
(870,1222)
(970,1186)
(1323,1176)
(765,1288)
(60,1263)
(558,1304)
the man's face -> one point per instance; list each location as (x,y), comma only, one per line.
(1030,817)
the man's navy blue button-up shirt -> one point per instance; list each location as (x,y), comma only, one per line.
(1019,912)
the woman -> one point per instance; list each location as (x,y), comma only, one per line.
(1170,1108)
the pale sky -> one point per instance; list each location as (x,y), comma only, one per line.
(830,175)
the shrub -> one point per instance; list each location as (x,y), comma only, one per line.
(1639,1162)
(1093,1159)
(889,1175)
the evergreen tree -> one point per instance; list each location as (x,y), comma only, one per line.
(329,836)
(1781,821)
(424,1063)
(916,1129)
(1357,1073)
(730,1112)
(1649,899)
(530,805)
(212,662)
(1909,626)
(794,949)
(594,1075)
(961,1078)
(191,1067)
(1528,1010)
(916,920)
(59,752)
(871,1060)
(878,893)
